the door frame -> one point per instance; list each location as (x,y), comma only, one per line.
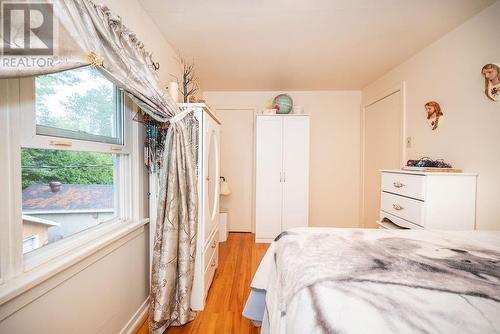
(254,112)
(401,87)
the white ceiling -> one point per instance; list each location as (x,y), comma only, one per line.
(302,44)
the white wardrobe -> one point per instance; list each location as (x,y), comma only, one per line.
(281,174)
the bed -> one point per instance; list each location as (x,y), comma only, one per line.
(325,280)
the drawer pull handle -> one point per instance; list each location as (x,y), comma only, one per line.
(214,244)
(213,263)
(397,207)
(398,184)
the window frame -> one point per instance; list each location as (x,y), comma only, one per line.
(118,96)
(30,138)
(18,118)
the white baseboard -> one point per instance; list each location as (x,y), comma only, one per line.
(136,319)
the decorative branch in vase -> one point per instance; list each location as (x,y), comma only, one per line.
(189,85)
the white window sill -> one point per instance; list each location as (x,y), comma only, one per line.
(54,251)
(36,276)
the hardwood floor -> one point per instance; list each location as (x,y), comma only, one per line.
(239,258)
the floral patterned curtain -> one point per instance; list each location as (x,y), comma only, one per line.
(91,34)
(175,239)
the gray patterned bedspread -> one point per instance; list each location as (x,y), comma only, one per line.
(380,281)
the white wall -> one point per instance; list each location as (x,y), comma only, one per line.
(335,146)
(449,71)
(136,19)
(101,298)
(101,295)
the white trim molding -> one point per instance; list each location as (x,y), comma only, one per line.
(137,319)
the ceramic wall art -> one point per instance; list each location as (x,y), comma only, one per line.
(433,113)
(491,74)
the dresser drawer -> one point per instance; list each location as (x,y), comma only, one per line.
(210,270)
(403,207)
(210,226)
(404,184)
(211,247)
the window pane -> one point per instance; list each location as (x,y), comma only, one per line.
(79,104)
(65,192)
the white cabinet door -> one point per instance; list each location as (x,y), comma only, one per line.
(268,186)
(296,172)
(211,177)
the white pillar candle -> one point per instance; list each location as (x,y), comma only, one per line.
(173,90)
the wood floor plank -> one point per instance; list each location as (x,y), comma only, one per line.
(239,258)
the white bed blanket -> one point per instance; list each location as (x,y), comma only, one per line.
(320,280)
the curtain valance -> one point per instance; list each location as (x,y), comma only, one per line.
(84,33)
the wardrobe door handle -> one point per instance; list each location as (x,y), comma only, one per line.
(284,177)
(214,244)
(213,263)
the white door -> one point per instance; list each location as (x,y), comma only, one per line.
(237,166)
(295,172)
(268,170)
(211,175)
(382,150)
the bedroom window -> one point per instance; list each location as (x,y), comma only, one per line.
(70,166)
(66,192)
(79,104)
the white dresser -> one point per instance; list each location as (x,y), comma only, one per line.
(443,201)
(282,174)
